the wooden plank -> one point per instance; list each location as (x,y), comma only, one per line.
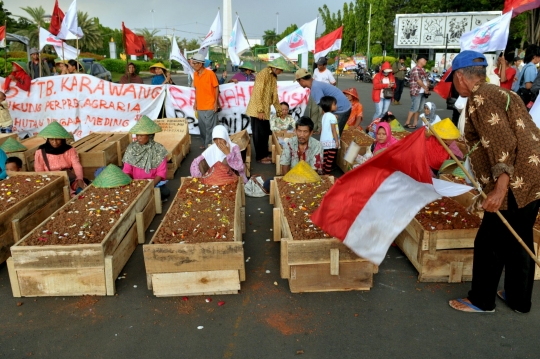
(284,267)
(13,278)
(272,192)
(62,282)
(157,200)
(319,251)
(277,224)
(456,272)
(49,257)
(191,283)
(124,251)
(243,219)
(334,261)
(109,277)
(317,278)
(139,222)
(28,224)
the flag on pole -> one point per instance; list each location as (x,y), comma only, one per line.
(535,112)
(520,6)
(176,55)
(390,188)
(132,43)
(69,29)
(46,38)
(3,36)
(67,52)
(145,49)
(237,43)
(56,19)
(491,36)
(214,36)
(328,43)
(300,41)
(443,88)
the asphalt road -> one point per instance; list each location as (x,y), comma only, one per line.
(398,317)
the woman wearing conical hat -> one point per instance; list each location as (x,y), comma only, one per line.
(435,153)
(246,75)
(56,155)
(161,74)
(145,158)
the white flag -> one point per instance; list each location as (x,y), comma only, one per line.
(70,30)
(213,37)
(46,38)
(300,41)
(176,55)
(237,44)
(67,52)
(491,36)
(535,112)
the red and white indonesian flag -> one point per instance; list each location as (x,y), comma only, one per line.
(491,36)
(176,55)
(213,37)
(237,43)
(300,41)
(520,6)
(70,30)
(328,43)
(3,36)
(370,206)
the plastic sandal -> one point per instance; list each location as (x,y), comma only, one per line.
(471,308)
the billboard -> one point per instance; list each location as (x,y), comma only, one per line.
(430,30)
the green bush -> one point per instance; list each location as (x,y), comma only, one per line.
(119,66)
(5,70)
(89,55)
(377,60)
(18,54)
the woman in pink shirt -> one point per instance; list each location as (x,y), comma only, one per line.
(145,158)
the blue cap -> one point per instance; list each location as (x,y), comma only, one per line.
(466,59)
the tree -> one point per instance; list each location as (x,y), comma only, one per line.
(92,39)
(189,45)
(35,20)
(270,37)
(289,30)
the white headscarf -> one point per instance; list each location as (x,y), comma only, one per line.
(213,154)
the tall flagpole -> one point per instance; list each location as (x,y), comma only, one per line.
(125,51)
(40,70)
(5,49)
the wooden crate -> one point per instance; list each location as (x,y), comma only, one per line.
(5,136)
(85,269)
(27,157)
(243,141)
(186,269)
(318,265)
(176,139)
(100,149)
(344,165)
(23,217)
(277,149)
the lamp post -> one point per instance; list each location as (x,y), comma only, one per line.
(277,23)
(369,35)
(153,27)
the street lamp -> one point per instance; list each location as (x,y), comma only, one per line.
(277,23)
(153,27)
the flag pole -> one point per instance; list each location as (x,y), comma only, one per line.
(476,185)
(5,48)
(245,36)
(125,51)
(40,69)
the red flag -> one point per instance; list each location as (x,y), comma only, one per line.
(132,42)
(328,43)
(443,88)
(390,188)
(3,36)
(146,52)
(56,19)
(520,6)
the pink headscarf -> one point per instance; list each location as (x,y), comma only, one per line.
(390,140)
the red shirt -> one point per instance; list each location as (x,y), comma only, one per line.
(510,74)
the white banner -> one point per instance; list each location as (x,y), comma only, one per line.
(82,104)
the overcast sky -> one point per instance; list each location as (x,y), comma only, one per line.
(184,16)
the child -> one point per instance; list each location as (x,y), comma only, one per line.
(357,111)
(329,132)
(387,117)
(6,123)
(284,123)
(13,164)
(429,114)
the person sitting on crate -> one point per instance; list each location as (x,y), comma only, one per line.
(222,150)
(56,155)
(145,158)
(285,122)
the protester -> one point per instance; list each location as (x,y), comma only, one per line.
(206,99)
(321,73)
(357,110)
(320,89)
(33,65)
(430,113)
(505,72)
(384,79)
(264,95)
(507,166)
(435,152)
(528,74)
(285,122)
(419,90)
(145,158)
(131,77)
(56,155)
(518,65)
(400,70)
(330,140)
(60,67)
(161,74)
(6,122)
(14,164)
(75,67)
(3,159)
(244,76)
(222,150)
(384,138)
(19,76)
(302,147)
(387,117)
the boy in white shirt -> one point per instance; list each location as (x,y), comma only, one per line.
(330,133)
(322,74)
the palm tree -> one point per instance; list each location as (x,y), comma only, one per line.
(270,37)
(92,39)
(36,18)
(150,37)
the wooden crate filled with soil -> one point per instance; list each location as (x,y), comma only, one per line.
(243,141)
(26,200)
(400,135)
(278,139)
(361,138)
(439,242)
(312,260)
(176,140)
(100,149)
(197,249)
(465,199)
(82,247)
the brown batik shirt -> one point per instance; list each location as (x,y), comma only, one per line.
(264,95)
(509,142)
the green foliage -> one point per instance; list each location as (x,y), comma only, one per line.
(270,37)
(3,71)
(87,55)
(377,60)
(119,66)
(289,30)
(17,54)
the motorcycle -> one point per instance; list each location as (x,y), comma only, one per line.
(368,76)
(406,82)
(359,76)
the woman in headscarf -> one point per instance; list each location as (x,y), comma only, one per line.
(145,158)
(19,76)
(384,138)
(430,113)
(56,155)
(222,150)
(161,74)
(131,77)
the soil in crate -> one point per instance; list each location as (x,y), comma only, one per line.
(200,213)
(400,135)
(88,218)
(16,188)
(359,137)
(299,201)
(444,214)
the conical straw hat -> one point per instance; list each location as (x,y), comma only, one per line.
(396,126)
(12,145)
(112,176)
(145,126)
(54,130)
(247,65)
(158,65)
(279,63)
(302,173)
(446,129)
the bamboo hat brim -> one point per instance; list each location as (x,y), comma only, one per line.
(54,130)
(145,126)
(12,145)
(112,176)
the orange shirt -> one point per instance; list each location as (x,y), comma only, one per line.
(205,89)
(357,110)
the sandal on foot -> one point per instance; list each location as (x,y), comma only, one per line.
(502,295)
(265,161)
(464,305)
